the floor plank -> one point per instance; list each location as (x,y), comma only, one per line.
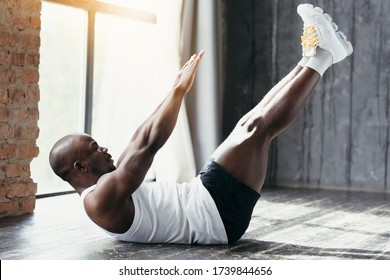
(287,223)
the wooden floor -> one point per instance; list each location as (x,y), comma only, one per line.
(287,223)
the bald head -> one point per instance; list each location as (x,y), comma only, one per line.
(65,153)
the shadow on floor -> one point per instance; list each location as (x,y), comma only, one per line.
(287,224)
(247,249)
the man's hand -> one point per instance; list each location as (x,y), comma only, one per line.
(185,77)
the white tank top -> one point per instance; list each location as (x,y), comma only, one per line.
(173,213)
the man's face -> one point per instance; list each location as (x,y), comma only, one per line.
(97,157)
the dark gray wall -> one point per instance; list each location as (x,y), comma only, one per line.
(341,139)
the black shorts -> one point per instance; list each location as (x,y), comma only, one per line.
(234,200)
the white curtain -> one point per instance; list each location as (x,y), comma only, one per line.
(175,161)
(202,30)
(186,27)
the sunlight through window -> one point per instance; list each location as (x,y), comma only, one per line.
(124,51)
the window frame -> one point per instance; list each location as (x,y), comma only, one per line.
(91,7)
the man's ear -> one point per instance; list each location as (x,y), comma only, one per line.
(78,166)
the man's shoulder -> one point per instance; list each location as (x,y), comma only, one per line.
(107,207)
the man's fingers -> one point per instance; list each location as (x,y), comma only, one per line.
(196,57)
(192,58)
(201,53)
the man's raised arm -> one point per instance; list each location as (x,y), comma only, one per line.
(137,158)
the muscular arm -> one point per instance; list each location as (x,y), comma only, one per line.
(159,126)
(113,189)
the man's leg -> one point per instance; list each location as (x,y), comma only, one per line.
(244,154)
(277,88)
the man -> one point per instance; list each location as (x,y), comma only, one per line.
(216,206)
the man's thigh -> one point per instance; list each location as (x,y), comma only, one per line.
(244,154)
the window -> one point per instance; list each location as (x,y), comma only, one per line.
(96,60)
(123,79)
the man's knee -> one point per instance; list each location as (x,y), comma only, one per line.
(258,127)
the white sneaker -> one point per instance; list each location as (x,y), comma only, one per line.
(320,31)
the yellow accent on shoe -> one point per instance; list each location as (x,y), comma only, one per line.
(310,40)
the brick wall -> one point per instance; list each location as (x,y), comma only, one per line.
(19,95)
